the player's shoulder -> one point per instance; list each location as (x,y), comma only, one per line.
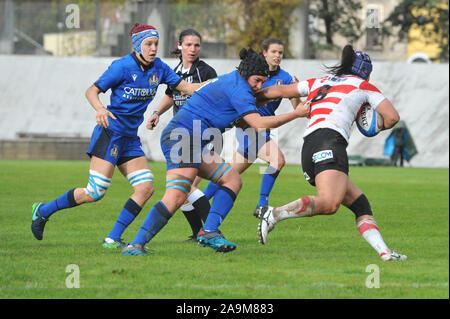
(205,66)
(366,86)
(233,78)
(234,84)
(159,64)
(361,84)
(284,74)
(127,62)
(122,61)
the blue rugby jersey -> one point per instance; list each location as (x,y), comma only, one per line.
(133,87)
(279,78)
(219,102)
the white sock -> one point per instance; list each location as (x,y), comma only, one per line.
(369,230)
(302,207)
(195,195)
(187,207)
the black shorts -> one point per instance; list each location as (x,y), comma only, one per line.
(322,150)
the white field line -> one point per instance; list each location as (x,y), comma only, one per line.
(313,284)
(416,285)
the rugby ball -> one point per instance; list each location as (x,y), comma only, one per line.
(369,121)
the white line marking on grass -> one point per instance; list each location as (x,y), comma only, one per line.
(35,285)
(313,284)
(416,285)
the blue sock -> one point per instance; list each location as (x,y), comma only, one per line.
(67,200)
(156,219)
(222,203)
(268,180)
(126,217)
(210,190)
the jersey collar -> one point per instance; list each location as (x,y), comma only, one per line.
(140,64)
(193,66)
(275,72)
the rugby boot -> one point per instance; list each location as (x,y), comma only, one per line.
(38,222)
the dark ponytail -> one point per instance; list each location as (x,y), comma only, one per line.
(244,53)
(347,59)
(132,29)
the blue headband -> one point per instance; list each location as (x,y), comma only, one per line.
(137,38)
(362,66)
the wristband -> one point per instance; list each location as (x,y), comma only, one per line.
(155,112)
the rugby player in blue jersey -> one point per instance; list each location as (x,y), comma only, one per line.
(193,70)
(202,120)
(254,144)
(133,81)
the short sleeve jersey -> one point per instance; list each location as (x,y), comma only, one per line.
(133,87)
(336,101)
(199,72)
(281,77)
(221,101)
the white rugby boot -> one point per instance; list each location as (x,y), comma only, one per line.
(266,224)
(393,256)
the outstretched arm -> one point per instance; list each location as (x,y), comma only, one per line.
(188,88)
(277,91)
(259,122)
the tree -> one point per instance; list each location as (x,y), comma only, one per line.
(250,22)
(201,15)
(238,23)
(339,17)
(430,16)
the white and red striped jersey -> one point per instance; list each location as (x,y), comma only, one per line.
(336,101)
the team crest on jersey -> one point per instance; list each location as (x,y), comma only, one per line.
(153,79)
(278,82)
(114,151)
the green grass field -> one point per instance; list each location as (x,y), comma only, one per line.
(313,258)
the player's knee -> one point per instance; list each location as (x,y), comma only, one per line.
(149,190)
(232,180)
(279,162)
(180,199)
(144,190)
(237,182)
(97,186)
(90,199)
(330,208)
(142,182)
(180,183)
(175,198)
(221,173)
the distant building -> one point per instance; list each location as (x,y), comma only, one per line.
(418,47)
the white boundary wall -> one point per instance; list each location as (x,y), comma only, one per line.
(46,95)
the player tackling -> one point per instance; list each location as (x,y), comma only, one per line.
(335,102)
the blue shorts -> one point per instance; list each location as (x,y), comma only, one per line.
(181,147)
(251,141)
(116,149)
